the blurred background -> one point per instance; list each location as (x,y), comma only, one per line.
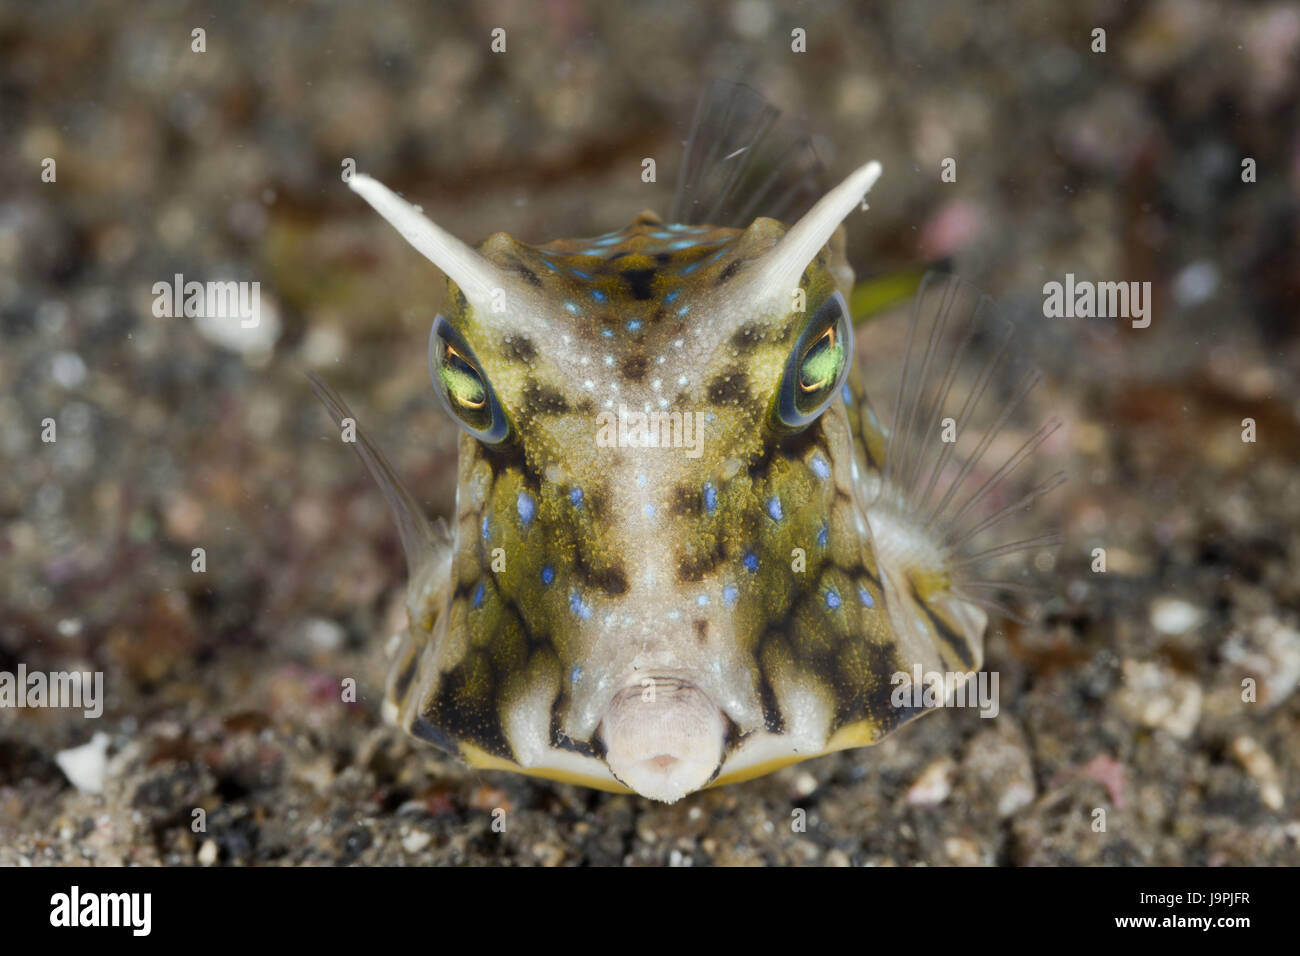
(222,687)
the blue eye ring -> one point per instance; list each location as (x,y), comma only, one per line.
(801,401)
(477,410)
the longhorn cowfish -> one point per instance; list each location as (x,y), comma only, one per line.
(684,551)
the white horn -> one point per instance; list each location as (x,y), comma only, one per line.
(476,276)
(785,263)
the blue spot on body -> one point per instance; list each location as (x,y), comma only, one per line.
(820,468)
(729,594)
(691,268)
(608,333)
(822,536)
(702,600)
(478,596)
(649,511)
(845,393)
(710,498)
(572,307)
(487,528)
(576,674)
(680,244)
(578,606)
(548,574)
(580,274)
(633,325)
(832,598)
(575,496)
(527,508)
(865,597)
(774,508)
(751,561)
(672,295)
(684,309)
(598,295)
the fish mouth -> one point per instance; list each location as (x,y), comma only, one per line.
(663,737)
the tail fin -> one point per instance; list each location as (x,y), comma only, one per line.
(422,540)
(952,457)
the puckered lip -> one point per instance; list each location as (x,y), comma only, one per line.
(663,737)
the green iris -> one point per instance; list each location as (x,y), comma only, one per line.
(461,381)
(816,366)
(462,385)
(822,362)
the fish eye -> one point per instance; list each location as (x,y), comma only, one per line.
(817,366)
(463,383)
(821,363)
(462,386)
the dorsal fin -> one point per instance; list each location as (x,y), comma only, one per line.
(742,160)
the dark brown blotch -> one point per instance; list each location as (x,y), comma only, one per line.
(597,499)
(730,386)
(731,270)
(747,337)
(544,398)
(687,501)
(693,568)
(634,367)
(639,282)
(520,348)
(611,580)
(527,274)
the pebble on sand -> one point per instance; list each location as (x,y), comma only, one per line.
(208,853)
(84,766)
(934,784)
(1155,696)
(1257,762)
(1268,651)
(1175,616)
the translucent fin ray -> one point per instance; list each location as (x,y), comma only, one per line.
(1050,540)
(421,538)
(741,161)
(935,452)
